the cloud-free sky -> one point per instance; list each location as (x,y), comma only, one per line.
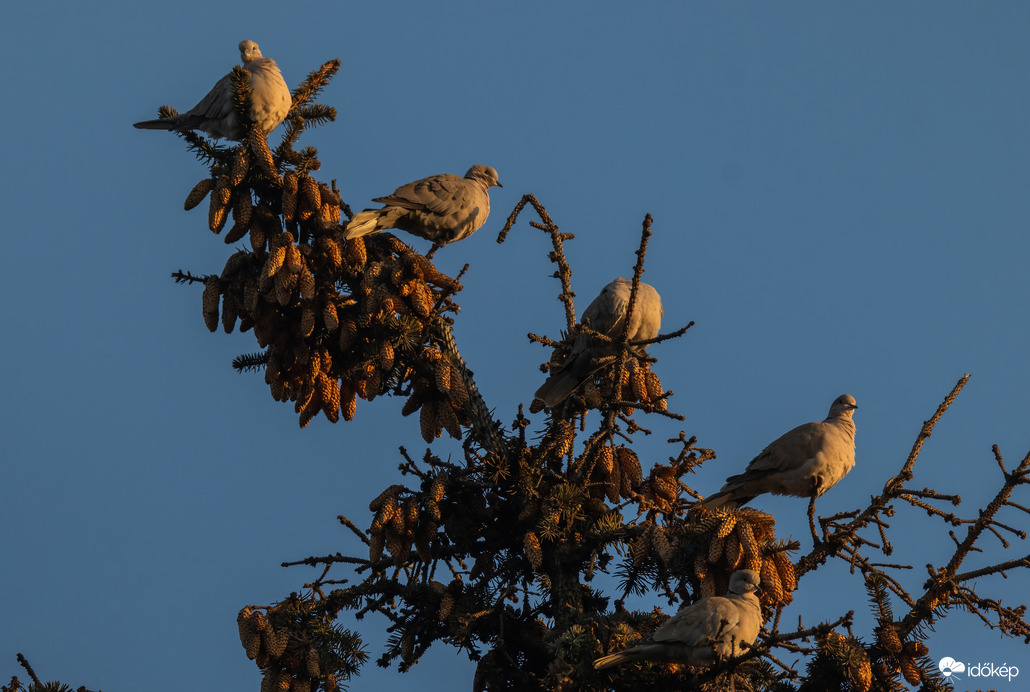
(839,193)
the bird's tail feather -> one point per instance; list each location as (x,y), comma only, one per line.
(611,660)
(557,387)
(721,500)
(158,124)
(577,370)
(363,223)
(371,221)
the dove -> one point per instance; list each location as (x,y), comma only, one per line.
(805,462)
(606,315)
(441,208)
(716,627)
(215,114)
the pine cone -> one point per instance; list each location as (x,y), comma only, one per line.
(212,289)
(245,626)
(726,523)
(631,471)
(592,395)
(638,381)
(276,641)
(285,282)
(274,262)
(332,252)
(534,553)
(307,321)
(862,675)
(198,193)
(289,202)
(655,391)
(438,486)
(329,392)
(330,318)
(751,549)
(310,198)
(785,570)
(446,606)
(641,546)
(613,485)
(230,311)
(663,546)
(253,646)
(421,300)
(733,551)
(770,581)
(442,374)
(348,334)
(263,155)
(448,419)
(328,216)
(888,638)
(428,423)
(911,671)
(716,549)
(376,544)
(386,498)
(240,166)
(348,404)
(386,356)
(355,253)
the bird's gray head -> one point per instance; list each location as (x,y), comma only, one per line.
(484,174)
(844,405)
(249,51)
(744,581)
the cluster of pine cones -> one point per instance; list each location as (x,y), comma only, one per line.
(637,383)
(340,320)
(290,662)
(400,523)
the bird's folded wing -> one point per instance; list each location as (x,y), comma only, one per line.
(218,102)
(791,450)
(607,312)
(440,194)
(723,620)
(698,624)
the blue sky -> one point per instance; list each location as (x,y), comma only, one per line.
(839,202)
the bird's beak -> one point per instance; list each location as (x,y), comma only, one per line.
(499,184)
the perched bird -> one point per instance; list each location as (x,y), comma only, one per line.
(805,462)
(215,114)
(606,315)
(716,627)
(441,208)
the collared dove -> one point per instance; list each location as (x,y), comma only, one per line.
(806,462)
(716,627)
(441,208)
(606,315)
(215,114)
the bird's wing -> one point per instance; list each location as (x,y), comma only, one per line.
(701,623)
(790,451)
(439,194)
(607,312)
(217,104)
